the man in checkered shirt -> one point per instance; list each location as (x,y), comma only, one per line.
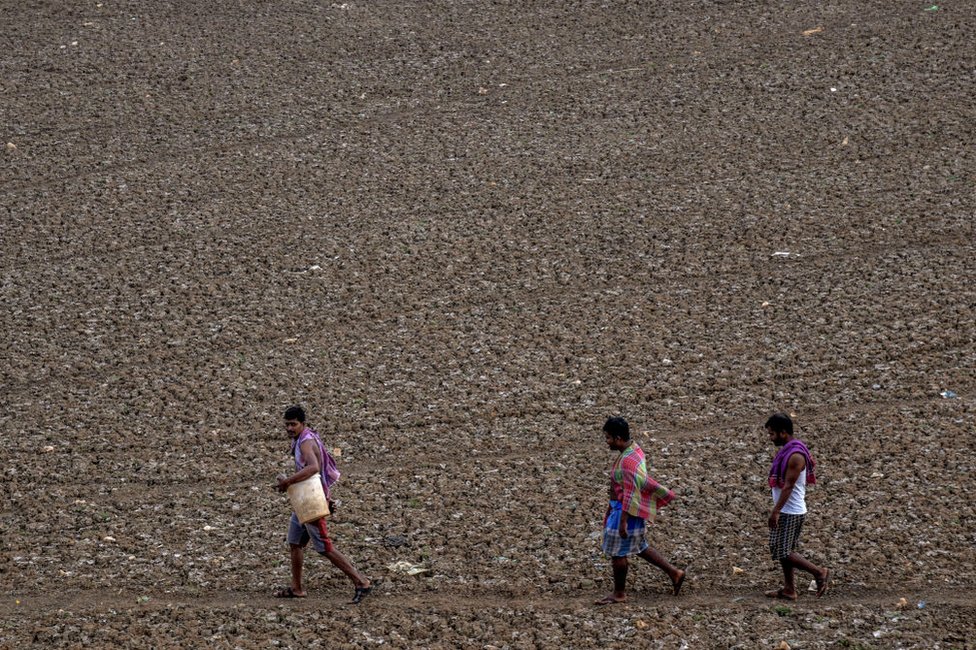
(634,499)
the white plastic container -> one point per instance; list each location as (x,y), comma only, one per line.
(308,499)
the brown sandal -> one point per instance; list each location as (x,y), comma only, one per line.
(823,584)
(676,586)
(288,592)
(778,593)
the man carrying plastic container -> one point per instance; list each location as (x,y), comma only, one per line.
(311,458)
(634,499)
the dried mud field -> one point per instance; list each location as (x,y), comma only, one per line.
(462,234)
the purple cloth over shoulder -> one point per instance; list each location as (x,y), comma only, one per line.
(329,471)
(777,473)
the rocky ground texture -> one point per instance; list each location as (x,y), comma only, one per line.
(462,234)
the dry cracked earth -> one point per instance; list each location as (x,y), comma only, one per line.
(462,234)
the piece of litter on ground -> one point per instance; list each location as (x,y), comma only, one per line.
(293,340)
(782,254)
(737,570)
(406,567)
(48,449)
(902,604)
(813,586)
(948,394)
(11,146)
(932,8)
(921,604)
(844,141)
(208,528)
(810,32)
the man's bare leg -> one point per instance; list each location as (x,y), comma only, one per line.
(789,578)
(344,565)
(297,554)
(677,575)
(820,574)
(619,594)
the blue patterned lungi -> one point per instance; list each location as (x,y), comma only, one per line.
(616,546)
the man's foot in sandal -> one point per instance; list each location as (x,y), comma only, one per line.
(823,583)
(288,592)
(676,584)
(780,594)
(361,593)
(610,600)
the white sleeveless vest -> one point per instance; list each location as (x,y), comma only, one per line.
(797,505)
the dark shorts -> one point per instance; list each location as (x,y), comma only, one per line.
(315,531)
(783,540)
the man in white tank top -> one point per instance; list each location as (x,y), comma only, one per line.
(792,470)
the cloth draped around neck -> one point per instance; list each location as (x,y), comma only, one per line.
(777,473)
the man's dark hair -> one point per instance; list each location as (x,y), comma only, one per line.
(780,423)
(617,427)
(295,413)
